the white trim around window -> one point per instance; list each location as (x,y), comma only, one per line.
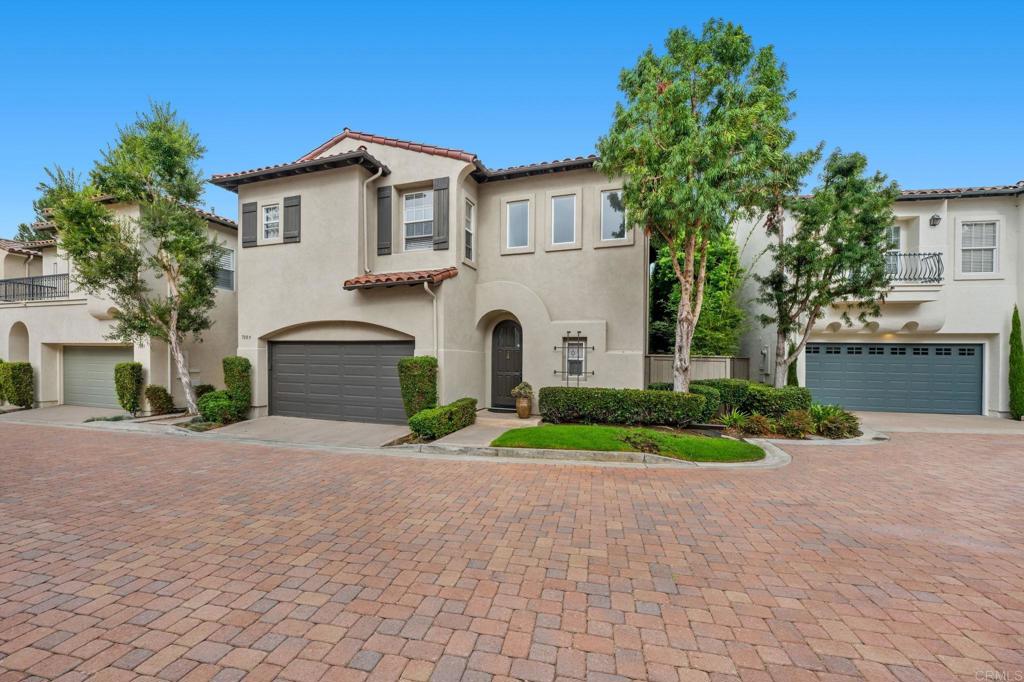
(225,278)
(418,220)
(562,219)
(978,248)
(600,221)
(517,221)
(613,216)
(469,244)
(271,224)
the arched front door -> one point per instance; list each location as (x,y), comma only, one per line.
(506,362)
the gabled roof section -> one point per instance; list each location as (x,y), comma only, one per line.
(394,279)
(359,157)
(347,134)
(962,192)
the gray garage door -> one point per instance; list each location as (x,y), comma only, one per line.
(887,377)
(347,381)
(89,374)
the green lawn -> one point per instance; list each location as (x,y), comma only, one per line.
(626,439)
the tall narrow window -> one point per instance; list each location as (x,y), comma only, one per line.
(518,224)
(613,215)
(226,270)
(893,247)
(563,219)
(271,222)
(979,247)
(418,218)
(470,217)
(576,356)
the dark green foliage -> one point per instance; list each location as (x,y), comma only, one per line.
(733,419)
(18,383)
(128,385)
(733,392)
(795,424)
(775,402)
(559,404)
(758,425)
(660,386)
(523,390)
(218,406)
(160,401)
(417,376)
(712,401)
(435,422)
(203,389)
(3,382)
(791,376)
(238,382)
(843,425)
(1016,369)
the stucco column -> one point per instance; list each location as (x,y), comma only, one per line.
(46,359)
(257,356)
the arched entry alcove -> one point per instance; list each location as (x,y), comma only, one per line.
(506,362)
(17,343)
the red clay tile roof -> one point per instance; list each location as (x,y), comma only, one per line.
(391,279)
(957,192)
(231,181)
(459,154)
(26,248)
(485,174)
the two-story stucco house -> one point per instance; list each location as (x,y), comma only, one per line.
(368,249)
(941,343)
(47,321)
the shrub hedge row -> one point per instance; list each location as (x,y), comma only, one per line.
(775,402)
(417,377)
(128,385)
(435,422)
(160,401)
(238,384)
(17,385)
(712,401)
(732,391)
(559,404)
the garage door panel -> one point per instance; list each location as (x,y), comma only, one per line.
(88,374)
(943,378)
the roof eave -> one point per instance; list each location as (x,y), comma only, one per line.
(968,194)
(484,174)
(359,158)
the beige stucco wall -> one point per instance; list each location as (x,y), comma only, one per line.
(962,309)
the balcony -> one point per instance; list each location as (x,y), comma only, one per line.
(41,288)
(914,268)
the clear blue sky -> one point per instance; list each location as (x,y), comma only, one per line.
(932,92)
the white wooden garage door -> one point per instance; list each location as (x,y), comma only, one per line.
(89,374)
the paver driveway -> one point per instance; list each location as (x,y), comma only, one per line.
(124,555)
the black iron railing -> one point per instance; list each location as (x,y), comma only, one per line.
(39,288)
(914,268)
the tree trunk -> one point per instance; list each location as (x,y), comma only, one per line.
(183,375)
(781,358)
(684,339)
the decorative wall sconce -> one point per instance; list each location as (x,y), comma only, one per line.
(935,220)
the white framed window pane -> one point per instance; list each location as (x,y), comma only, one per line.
(518,224)
(418,219)
(469,229)
(978,260)
(271,221)
(613,215)
(978,235)
(893,237)
(563,219)
(575,357)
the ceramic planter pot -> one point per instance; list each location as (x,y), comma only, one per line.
(523,407)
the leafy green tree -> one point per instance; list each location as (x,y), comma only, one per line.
(792,379)
(1016,367)
(694,140)
(834,254)
(722,320)
(59,181)
(158,269)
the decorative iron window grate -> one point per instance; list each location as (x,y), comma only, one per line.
(574,358)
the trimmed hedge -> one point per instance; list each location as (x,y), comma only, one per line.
(712,396)
(17,383)
(217,406)
(733,392)
(775,402)
(3,390)
(435,422)
(660,386)
(560,405)
(417,377)
(238,384)
(160,401)
(128,385)
(203,389)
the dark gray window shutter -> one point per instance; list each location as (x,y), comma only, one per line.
(440,214)
(248,225)
(292,219)
(384,227)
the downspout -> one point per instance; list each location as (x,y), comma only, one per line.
(433,296)
(366,220)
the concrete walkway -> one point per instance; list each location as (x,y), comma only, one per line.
(902,422)
(59,414)
(295,430)
(488,426)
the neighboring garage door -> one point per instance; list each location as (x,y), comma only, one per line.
(89,374)
(347,381)
(942,378)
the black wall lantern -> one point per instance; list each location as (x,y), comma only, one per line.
(935,220)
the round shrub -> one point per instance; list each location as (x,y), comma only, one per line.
(128,385)
(217,406)
(712,401)
(796,424)
(417,377)
(758,425)
(160,401)
(839,425)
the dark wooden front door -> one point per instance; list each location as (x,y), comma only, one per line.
(506,362)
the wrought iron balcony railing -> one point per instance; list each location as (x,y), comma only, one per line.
(41,288)
(914,268)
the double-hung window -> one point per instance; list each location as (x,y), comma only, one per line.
(518,224)
(563,219)
(226,270)
(979,247)
(418,220)
(613,215)
(576,356)
(271,222)
(469,218)
(892,238)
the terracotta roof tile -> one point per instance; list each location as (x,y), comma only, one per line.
(26,248)
(448,152)
(953,192)
(391,279)
(231,181)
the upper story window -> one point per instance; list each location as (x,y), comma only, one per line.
(271,222)
(226,270)
(893,245)
(613,215)
(563,219)
(979,247)
(418,220)
(518,220)
(469,218)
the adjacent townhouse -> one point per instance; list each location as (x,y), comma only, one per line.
(941,344)
(62,331)
(368,249)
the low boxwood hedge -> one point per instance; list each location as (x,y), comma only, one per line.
(436,422)
(733,392)
(775,402)
(560,405)
(712,401)
(128,385)
(238,384)
(160,401)
(417,377)
(218,406)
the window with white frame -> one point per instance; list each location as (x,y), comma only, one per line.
(271,222)
(226,270)
(893,246)
(979,247)
(563,219)
(575,356)
(469,218)
(613,215)
(418,219)
(518,224)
